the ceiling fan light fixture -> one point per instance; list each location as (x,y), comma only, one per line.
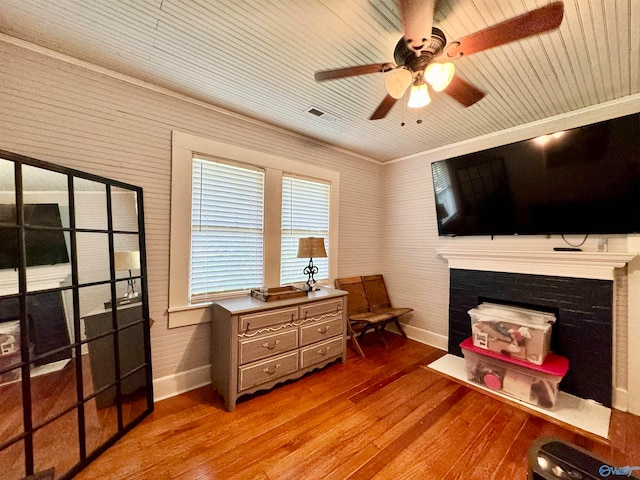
(439,75)
(419,96)
(397,82)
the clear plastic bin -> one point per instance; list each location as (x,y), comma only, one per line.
(512,331)
(537,385)
(9,350)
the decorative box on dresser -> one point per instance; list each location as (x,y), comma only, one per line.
(256,344)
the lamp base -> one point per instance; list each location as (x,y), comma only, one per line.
(310,287)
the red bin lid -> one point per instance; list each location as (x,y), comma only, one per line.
(553,364)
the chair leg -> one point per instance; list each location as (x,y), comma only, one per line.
(352,335)
(379,332)
(357,345)
(395,320)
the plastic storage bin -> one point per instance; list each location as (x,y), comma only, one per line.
(9,351)
(535,384)
(512,331)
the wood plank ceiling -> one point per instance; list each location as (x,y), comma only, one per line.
(258,58)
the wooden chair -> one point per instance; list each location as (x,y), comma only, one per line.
(360,318)
(379,302)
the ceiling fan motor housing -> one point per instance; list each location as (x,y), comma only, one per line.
(406,57)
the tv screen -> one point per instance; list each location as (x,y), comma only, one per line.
(583,180)
(43,247)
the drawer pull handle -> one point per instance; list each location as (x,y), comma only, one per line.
(323,351)
(324,329)
(271,345)
(271,371)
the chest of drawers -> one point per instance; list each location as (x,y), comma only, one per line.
(255,345)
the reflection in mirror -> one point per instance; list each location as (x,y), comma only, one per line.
(102,367)
(101,347)
(55,445)
(46,213)
(48,330)
(100,423)
(11,394)
(12,463)
(93,258)
(53,387)
(127,266)
(112,359)
(9,235)
(91,204)
(47,192)
(134,405)
(131,357)
(125,209)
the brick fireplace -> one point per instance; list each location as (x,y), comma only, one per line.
(583,331)
(578,287)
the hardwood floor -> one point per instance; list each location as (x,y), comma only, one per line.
(385,416)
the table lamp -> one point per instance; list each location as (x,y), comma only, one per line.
(128,261)
(311,247)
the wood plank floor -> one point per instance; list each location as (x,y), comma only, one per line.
(383,417)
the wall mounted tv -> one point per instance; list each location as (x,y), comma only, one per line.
(584,180)
(43,246)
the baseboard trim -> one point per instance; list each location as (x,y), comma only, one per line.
(172,385)
(620,400)
(428,338)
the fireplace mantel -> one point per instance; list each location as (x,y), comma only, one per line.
(595,265)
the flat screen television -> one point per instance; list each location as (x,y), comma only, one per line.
(43,246)
(579,181)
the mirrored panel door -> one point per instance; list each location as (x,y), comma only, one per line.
(74,323)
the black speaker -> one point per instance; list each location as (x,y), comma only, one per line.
(554,459)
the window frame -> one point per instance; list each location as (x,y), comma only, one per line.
(184,146)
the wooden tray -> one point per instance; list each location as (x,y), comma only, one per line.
(277,293)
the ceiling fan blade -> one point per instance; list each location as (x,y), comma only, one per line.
(463,91)
(352,71)
(531,23)
(383,108)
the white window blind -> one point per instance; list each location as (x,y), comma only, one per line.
(305,213)
(227,227)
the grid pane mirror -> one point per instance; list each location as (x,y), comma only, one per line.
(75,361)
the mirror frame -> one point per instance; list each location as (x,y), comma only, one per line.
(79,345)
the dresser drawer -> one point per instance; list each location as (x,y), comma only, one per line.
(267,370)
(317,331)
(262,346)
(264,319)
(321,308)
(320,351)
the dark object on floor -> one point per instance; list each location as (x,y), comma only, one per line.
(554,459)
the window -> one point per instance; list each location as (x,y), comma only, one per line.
(236,216)
(227,227)
(305,213)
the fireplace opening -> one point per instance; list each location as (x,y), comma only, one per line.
(528,306)
(582,332)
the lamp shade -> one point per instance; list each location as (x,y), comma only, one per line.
(439,75)
(127,260)
(311,247)
(419,95)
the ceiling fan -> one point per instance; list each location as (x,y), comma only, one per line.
(422,56)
